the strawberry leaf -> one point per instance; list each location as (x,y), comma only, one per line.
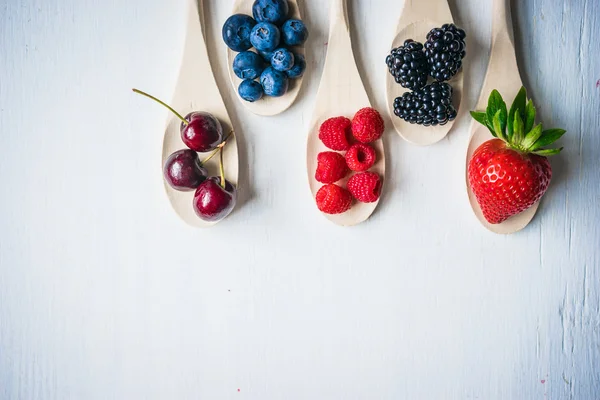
(529,116)
(547,138)
(499,132)
(532,137)
(518,128)
(495,103)
(518,104)
(481,117)
(548,152)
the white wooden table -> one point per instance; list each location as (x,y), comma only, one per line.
(105,294)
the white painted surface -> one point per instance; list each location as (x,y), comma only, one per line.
(106,294)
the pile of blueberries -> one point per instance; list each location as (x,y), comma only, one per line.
(273,37)
(412,63)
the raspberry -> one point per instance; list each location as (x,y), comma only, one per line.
(367,125)
(335,133)
(332,199)
(360,157)
(331,167)
(365,187)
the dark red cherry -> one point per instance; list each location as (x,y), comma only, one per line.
(183,170)
(202,133)
(212,202)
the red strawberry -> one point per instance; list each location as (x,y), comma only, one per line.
(332,199)
(510,174)
(336,134)
(331,167)
(367,125)
(365,187)
(360,157)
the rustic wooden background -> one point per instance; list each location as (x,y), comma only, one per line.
(105,294)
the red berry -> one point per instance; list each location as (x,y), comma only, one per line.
(331,167)
(365,187)
(332,199)
(367,125)
(360,157)
(507,182)
(336,133)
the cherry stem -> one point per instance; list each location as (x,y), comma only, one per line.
(211,155)
(162,103)
(221,167)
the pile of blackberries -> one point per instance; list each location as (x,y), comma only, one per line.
(412,63)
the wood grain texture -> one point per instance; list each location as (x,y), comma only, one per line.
(105,294)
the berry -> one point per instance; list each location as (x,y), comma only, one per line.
(275,83)
(367,125)
(236,32)
(510,174)
(294,33)
(299,67)
(250,90)
(335,133)
(265,36)
(248,65)
(429,106)
(360,157)
(445,49)
(266,55)
(506,182)
(282,59)
(365,187)
(332,199)
(331,167)
(408,65)
(274,11)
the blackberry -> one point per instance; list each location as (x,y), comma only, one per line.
(408,65)
(429,106)
(445,49)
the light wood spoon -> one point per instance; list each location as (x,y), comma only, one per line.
(503,75)
(341,93)
(417,19)
(196,90)
(267,106)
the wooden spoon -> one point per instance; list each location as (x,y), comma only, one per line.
(196,90)
(417,19)
(267,106)
(341,93)
(503,75)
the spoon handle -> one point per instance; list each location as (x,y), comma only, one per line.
(502,21)
(420,10)
(338,19)
(503,71)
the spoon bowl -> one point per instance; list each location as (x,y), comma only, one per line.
(267,106)
(418,18)
(502,75)
(196,90)
(341,93)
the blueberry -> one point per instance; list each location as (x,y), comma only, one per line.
(265,36)
(275,83)
(236,32)
(274,11)
(248,65)
(294,32)
(250,90)
(299,67)
(283,59)
(266,55)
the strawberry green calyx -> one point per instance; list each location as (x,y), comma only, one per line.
(516,126)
